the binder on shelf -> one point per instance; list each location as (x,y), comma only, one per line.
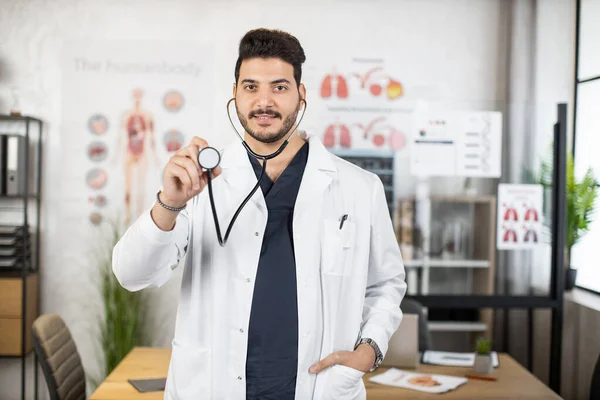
(12,164)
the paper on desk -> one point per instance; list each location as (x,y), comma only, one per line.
(453,359)
(429,383)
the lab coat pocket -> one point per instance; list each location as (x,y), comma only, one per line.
(190,372)
(337,246)
(346,383)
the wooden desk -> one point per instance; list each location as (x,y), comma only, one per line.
(514,381)
(140,363)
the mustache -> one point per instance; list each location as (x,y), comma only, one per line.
(264,112)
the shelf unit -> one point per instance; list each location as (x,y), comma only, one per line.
(20,283)
(469,267)
(457,326)
(439,263)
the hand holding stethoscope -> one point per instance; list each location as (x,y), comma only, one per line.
(192,168)
(183,179)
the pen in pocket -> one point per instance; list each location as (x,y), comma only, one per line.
(343,219)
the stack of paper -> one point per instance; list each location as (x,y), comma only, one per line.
(453,359)
(429,383)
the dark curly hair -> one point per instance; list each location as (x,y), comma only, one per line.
(271,43)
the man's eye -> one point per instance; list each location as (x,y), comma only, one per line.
(280,88)
(250,87)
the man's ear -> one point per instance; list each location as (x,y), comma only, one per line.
(234,89)
(302,91)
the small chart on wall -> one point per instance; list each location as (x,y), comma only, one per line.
(359,104)
(456,143)
(519,214)
(127,107)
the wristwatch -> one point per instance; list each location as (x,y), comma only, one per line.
(378,354)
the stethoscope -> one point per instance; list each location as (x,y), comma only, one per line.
(209,158)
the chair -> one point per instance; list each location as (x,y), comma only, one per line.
(409,306)
(595,387)
(59,359)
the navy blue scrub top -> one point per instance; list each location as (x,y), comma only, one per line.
(272,361)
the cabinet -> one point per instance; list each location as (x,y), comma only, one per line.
(20,210)
(18,308)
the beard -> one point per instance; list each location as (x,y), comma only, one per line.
(268,137)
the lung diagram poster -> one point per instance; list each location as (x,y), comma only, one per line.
(519,216)
(358,103)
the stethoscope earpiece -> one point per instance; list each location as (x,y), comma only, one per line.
(209,158)
(283,145)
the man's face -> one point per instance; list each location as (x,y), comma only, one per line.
(267,98)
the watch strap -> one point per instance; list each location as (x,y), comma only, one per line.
(378,353)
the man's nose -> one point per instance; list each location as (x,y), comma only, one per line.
(264,98)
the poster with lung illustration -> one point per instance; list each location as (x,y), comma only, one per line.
(127,106)
(519,224)
(358,103)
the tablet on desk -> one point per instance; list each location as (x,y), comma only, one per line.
(149,385)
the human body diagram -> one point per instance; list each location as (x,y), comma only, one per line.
(137,130)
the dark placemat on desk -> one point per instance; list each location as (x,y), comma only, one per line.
(149,385)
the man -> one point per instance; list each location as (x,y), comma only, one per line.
(304,297)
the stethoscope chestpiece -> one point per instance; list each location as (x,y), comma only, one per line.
(209,158)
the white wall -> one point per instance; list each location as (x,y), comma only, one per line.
(452,53)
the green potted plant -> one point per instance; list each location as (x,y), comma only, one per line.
(483,357)
(122,320)
(580,204)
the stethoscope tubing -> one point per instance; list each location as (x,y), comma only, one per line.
(223,240)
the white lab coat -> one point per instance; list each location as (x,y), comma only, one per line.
(350,280)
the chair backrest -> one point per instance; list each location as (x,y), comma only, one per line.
(595,387)
(410,306)
(59,359)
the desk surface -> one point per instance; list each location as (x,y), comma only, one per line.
(514,381)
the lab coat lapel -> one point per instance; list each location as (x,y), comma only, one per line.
(318,174)
(240,177)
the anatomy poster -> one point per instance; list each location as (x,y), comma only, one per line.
(359,103)
(127,106)
(454,143)
(519,216)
